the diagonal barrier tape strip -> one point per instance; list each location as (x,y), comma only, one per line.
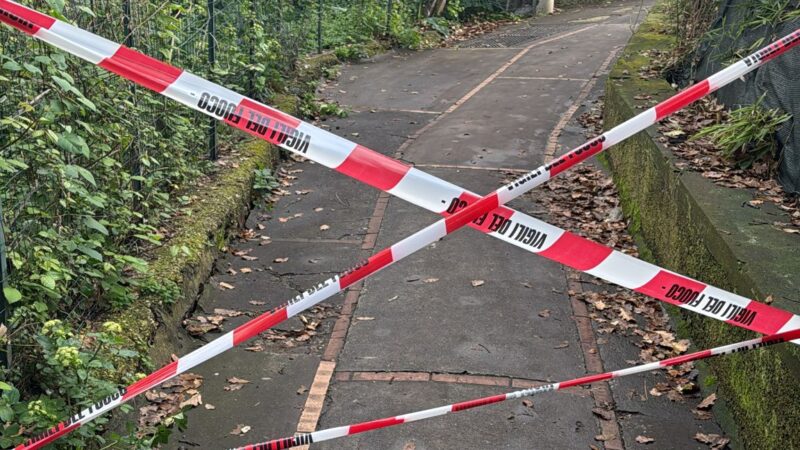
(348,430)
(293,134)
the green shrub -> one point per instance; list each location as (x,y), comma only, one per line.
(748,135)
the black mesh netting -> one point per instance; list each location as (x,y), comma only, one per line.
(778,80)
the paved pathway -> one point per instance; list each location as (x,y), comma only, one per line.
(402,341)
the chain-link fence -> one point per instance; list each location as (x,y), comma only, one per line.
(742,27)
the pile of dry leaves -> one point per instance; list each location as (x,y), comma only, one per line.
(584,200)
(168,400)
(701,155)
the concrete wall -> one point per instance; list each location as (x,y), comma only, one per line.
(685,223)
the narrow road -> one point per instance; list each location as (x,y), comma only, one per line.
(455,321)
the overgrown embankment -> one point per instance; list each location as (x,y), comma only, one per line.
(686,223)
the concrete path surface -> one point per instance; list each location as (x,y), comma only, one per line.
(461,319)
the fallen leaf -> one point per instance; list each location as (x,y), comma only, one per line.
(249,258)
(707,402)
(227,312)
(318,209)
(544,313)
(324,227)
(284,219)
(280,260)
(245,270)
(365,318)
(603,413)
(430,280)
(194,400)
(564,344)
(644,439)
(301,390)
(240,430)
(527,403)
(257,303)
(476,283)
(209,406)
(235,380)
(225,285)
(714,440)
(600,305)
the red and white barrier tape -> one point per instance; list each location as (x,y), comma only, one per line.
(387,174)
(348,430)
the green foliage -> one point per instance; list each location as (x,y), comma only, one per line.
(264,180)
(749,134)
(93,169)
(769,13)
(74,368)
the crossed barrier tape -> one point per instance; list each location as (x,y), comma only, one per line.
(356,428)
(411,184)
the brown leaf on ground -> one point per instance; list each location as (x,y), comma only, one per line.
(715,441)
(302,390)
(430,280)
(318,209)
(257,303)
(225,285)
(198,328)
(544,313)
(603,413)
(564,344)
(227,312)
(245,270)
(235,380)
(324,227)
(209,406)
(476,283)
(280,260)
(707,402)
(644,439)
(527,403)
(240,430)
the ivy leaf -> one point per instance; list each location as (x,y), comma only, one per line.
(90,252)
(86,175)
(95,225)
(73,143)
(32,69)
(48,281)
(12,66)
(6,413)
(12,295)
(62,83)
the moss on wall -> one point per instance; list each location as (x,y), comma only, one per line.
(684,223)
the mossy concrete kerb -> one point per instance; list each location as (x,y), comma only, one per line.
(176,278)
(687,224)
(152,323)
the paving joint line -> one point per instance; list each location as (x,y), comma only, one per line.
(544,78)
(446,377)
(461,167)
(552,140)
(483,84)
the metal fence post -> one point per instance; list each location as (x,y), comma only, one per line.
(388,17)
(319,26)
(5,350)
(136,167)
(212,59)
